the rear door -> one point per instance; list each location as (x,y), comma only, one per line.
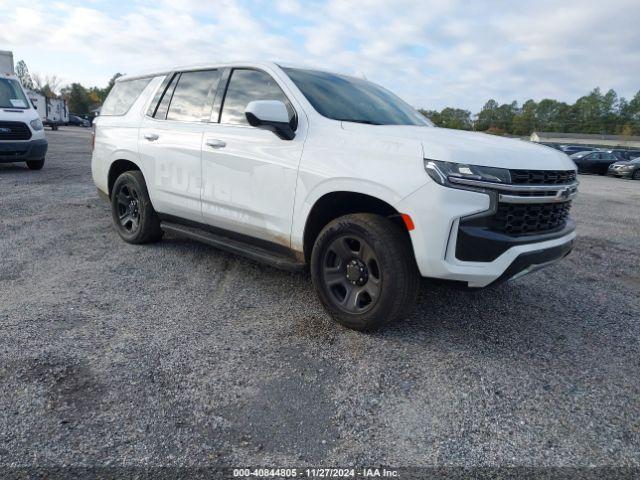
(606,159)
(589,161)
(171,141)
(249,174)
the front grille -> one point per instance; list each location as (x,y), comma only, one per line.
(523,219)
(542,177)
(14,131)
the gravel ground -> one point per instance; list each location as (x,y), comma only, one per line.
(179,354)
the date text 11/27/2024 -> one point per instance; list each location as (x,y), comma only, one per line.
(315,472)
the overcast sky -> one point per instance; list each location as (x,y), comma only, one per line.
(432,53)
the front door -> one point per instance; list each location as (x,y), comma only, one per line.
(249,175)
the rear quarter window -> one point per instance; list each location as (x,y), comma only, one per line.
(123,95)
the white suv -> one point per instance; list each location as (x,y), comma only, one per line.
(298,167)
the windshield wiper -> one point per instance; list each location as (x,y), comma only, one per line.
(355,120)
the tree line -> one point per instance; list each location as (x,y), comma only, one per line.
(80,99)
(593,113)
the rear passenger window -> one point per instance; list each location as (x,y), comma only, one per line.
(158,95)
(192,99)
(246,86)
(123,95)
(163,107)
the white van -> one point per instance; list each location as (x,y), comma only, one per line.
(22,136)
(298,167)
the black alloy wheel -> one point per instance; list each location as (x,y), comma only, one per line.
(364,270)
(133,215)
(352,274)
(128,201)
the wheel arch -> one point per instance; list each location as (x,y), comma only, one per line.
(117,168)
(335,204)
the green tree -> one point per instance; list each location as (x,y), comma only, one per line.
(504,116)
(455,118)
(488,116)
(524,122)
(432,115)
(105,91)
(78,99)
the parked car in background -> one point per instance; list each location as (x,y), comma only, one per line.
(77,121)
(595,162)
(298,167)
(571,149)
(625,169)
(552,145)
(577,155)
(625,154)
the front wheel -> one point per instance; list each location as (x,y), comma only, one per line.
(35,164)
(133,215)
(364,272)
(636,174)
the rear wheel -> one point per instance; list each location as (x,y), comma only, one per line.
(364,272)
(35,164)
(133,215)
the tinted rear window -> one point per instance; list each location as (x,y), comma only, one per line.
(193,97)
(123,95)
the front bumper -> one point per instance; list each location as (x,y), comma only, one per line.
(532,261)
(620,173)
(437,211)
(23,151)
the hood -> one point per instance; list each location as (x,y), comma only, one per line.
(472,147)
(622,162)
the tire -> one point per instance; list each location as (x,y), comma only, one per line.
(364,272)
(133,215)
(35,164)
(636,174)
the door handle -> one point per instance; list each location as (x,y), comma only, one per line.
(215,143)
(151,136)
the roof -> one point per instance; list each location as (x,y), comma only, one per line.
(204,66)
(198,66)
(585,136)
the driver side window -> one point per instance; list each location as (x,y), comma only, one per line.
(246,86)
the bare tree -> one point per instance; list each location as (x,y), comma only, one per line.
(22,72)
(48,85)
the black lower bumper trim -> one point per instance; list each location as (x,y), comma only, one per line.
(533,259)
(479,244)
(23,151)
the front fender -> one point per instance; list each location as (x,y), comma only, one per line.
(307,197)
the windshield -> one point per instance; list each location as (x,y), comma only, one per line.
(11,94)
(353,100)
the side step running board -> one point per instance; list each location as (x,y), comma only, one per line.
(275,259)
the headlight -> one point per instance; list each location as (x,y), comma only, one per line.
(36,124)
(442,172)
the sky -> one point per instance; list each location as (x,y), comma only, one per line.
(432,53)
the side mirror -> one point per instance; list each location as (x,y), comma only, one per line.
(270,115)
